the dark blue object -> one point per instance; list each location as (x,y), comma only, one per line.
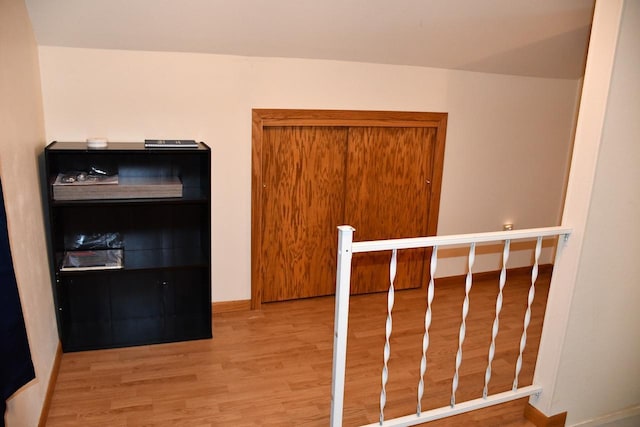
(16,367)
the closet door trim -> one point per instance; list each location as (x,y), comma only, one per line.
(263,118)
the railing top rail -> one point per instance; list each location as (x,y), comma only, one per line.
(455,239)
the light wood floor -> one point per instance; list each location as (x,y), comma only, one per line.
(273,367)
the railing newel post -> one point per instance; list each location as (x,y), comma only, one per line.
(340,324)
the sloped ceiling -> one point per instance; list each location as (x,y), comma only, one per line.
(542,38)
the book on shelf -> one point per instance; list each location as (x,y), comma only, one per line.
(83,260)
(170,143)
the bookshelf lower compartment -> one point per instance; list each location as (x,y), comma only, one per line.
(105,310)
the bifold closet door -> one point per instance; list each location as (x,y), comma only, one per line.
(388,187)
(303,202)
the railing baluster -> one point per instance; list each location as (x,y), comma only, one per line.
(388,328)
(427,324)
(527,315)
(496,321)
(465,311)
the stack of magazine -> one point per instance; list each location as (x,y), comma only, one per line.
(100,259)
(97,187)
(81,185)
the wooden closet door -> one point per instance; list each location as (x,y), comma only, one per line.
(387,196)
(303,203)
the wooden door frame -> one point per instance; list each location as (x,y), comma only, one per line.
(263,118)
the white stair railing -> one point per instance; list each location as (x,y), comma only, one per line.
(346,248)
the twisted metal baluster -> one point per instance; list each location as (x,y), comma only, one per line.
(463,327)
(387,347)
(527,315)
(496,321)
(427,324)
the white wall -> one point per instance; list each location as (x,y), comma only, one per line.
(599,370)
(21,142)
(588,362)
(507,149)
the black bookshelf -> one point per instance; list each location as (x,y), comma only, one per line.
(162,292)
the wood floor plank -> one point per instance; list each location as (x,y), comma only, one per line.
(273,367)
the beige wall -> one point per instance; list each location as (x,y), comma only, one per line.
(508,138)
(588,361)
(21,142)
(599,372)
